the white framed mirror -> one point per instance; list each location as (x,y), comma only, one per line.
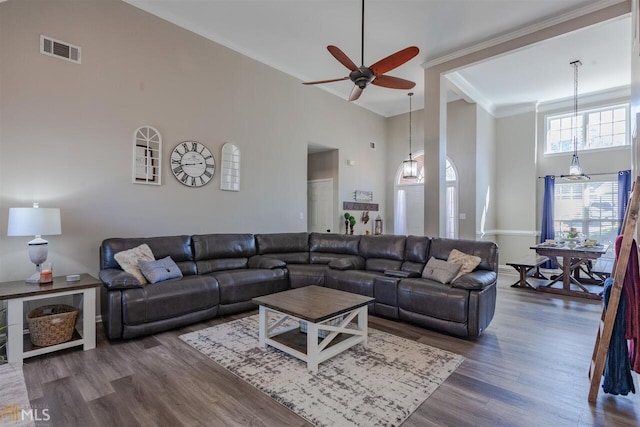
(147,156)
(230,168)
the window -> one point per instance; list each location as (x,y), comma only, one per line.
(598,128)
(591,207)
(414,198)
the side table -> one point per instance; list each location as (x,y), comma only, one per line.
(16,293)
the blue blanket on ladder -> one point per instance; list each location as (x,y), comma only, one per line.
(617,369)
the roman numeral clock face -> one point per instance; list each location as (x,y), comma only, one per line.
(192,164)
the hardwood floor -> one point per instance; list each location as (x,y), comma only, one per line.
(528,369)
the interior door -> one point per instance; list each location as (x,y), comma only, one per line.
(320,206)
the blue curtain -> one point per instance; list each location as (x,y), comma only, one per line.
(547,215)
(624,187)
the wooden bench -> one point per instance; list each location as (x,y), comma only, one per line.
(596,273)
(528,267)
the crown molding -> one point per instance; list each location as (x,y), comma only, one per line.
(524,31)
(470,91)
(607,95)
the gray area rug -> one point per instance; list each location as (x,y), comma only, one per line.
(13,397)
(380,385)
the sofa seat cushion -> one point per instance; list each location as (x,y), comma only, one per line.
(242,285)
(169,299)
(433,299)
(355,281)
(306,274)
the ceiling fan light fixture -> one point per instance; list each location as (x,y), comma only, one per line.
(409,167)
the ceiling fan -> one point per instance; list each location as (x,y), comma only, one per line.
(374,74)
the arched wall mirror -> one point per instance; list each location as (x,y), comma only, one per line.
(147,156)
(230,168)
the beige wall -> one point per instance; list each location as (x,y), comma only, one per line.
(515,185)
(435,123)
(462,151)
(486,168)
(397,134)
(66,131)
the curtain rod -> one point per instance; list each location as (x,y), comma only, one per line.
(590,174)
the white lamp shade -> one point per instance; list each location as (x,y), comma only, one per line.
(410,169)
(34,222)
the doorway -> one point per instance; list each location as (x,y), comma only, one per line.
(322,189)
(320,206)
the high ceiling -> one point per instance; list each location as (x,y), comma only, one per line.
(292,36)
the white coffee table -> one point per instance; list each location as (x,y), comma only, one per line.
(318,307)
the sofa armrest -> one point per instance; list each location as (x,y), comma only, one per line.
(401,274)
(475,280)
(259,261)
(113,278)
(355,262)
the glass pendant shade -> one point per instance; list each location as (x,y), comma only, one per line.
(410,168)
(575,168)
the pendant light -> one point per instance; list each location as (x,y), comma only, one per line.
(575,170)
(410,167)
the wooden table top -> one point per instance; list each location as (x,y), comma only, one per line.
(577,250)
(313,303)
(20,289)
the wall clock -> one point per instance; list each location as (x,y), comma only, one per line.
(192,164)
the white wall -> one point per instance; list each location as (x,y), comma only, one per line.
(66,131)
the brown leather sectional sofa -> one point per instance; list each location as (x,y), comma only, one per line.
(223,272)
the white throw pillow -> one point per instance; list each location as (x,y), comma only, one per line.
(128,260)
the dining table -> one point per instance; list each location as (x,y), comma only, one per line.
(574,255)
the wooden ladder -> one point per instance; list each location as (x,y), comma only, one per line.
(608,317)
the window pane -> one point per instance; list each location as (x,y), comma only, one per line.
(604,127)
(591,207)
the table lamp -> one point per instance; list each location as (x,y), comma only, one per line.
(36,222)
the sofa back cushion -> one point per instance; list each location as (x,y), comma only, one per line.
(415,253)
(382,252)
(487,251)
(177,247)
(324,248)
(292,248)
(216,252)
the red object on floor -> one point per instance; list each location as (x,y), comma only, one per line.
(631,289)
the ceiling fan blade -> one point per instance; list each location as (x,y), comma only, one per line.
(393,82)
(355,93)
(319,82)
(342,57)
(394,60)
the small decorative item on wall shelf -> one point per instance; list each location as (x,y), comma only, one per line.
(363,196)
(230,172)
(355,206)
(147,156)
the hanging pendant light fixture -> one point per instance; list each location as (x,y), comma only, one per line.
(575,170)
(410,167)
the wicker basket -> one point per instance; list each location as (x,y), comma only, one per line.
(51,324)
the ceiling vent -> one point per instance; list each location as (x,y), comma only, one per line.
(59,49)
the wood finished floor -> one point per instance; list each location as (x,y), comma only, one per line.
(528,369)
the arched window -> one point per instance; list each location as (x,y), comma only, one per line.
(409,200)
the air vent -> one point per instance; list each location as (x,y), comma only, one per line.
(372,145)
(59,49)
